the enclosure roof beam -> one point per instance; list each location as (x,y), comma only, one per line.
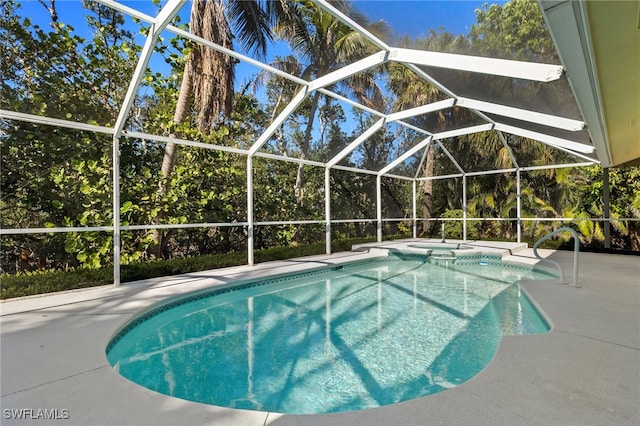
(159,23)
(451,176)
(349,70)
(492,172)
(463,131)
(186,34)
(356,142)
(477,64)
(297,100)
(453,160)
(546,139)
(555,166)
(371,111)
(506,146)
(423,144)
(522,114)
(352,103)
(326,6)
(422,160)
(184,142)
(423,109)
(420,72)
(166,14)
(48,121)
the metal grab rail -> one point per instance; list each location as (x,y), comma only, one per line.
(576,250)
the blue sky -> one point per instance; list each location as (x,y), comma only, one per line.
(406,17)
(412,17)
(416,17)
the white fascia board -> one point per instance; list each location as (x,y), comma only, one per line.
(349,70)
(297,100)
(424,109)
(464,131)
(522,114)
(546,139)
(569,28)
(353,145)
(502,67)
(405,156)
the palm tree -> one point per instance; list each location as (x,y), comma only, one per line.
(208,75)
(411,91)
(324,44)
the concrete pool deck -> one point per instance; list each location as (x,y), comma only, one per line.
(586,371)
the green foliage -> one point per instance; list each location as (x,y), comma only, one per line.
(40,282)
(514,30)
(55,177)
(453,229)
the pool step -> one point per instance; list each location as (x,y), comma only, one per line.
(442,255)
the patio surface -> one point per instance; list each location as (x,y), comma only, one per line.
(586,371)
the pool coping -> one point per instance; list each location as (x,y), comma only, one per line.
(585,371)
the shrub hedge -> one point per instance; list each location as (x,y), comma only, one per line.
(40,282)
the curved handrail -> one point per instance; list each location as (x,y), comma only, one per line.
(576,250)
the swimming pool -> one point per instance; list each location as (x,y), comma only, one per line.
(338,339)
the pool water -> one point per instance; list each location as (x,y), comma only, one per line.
(343,339)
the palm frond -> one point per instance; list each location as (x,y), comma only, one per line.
(252,25)
(490,200)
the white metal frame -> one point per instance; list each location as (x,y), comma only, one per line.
(413,59)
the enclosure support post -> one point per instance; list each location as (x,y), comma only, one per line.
(250,260)
(415,209)
(605,207)
(518,206)
(116,211)
(163,19)
(464,207)
(379,206)
(327,209)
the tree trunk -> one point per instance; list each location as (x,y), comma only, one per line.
(634,237)
(304,149)
(427,190)
(169,159)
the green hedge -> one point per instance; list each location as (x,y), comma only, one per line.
(41,282)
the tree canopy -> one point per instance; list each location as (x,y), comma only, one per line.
(57,177)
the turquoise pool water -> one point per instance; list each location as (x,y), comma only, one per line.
(340,339)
